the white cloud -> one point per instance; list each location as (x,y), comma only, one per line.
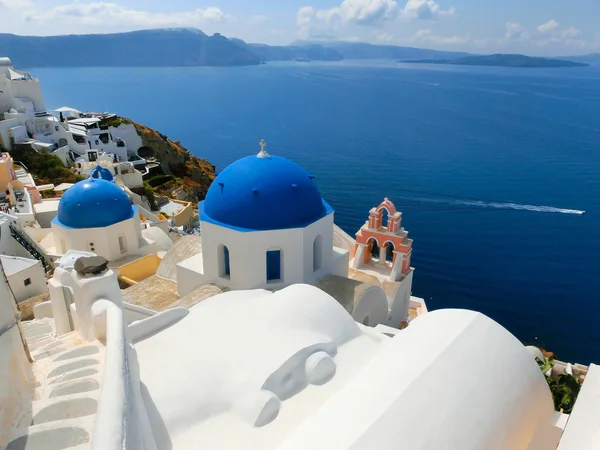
(548,37)
(360,12)
(304,20)
(428,36)
(549,26)
(515,32)
(99,13)
(570,33)
(425,10)
(15,4)
(384,37)
(258,19)
(374,13)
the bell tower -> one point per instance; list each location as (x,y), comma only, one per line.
(384,246)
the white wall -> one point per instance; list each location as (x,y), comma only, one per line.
(37,282)
(400,302)
(5,126)
(8,246)
(132,180)
(248,253)
(15,370)
(18,133)
(128,133)
(105,240)
(323,228)
(372,308)
(31,89)
(582,430)
(5,94)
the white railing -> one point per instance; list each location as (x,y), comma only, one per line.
(121,420)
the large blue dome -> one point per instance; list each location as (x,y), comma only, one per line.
(93,203)
(263,193)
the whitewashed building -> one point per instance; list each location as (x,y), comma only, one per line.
(26,276)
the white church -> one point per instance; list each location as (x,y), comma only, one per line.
(95,215)
(265,226)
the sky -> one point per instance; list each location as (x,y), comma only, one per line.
(533,27)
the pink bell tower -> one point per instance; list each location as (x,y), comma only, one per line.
(384,235)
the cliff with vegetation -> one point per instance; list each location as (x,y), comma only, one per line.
(182,175)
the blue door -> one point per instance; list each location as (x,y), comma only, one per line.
(273,265)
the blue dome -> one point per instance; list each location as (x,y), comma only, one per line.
(268,193)
(93,203)
(101,172)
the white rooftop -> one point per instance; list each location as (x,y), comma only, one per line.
(16,264)
(63,187)
(85,121)
(46,205)
(293,371)
(172,208)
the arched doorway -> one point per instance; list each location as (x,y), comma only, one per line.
(373,248)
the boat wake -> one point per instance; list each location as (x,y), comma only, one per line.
(519,206)
(455,203)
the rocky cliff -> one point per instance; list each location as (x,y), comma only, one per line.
(184,176)
(192,176)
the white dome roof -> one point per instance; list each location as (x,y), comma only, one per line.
(452,380)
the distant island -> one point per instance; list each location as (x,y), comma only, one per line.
(500,60)
(188,47)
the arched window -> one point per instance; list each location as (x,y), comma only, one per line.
(389,251)
(384,217)
(273,265)
(374,248)
(317,253)
(224,267)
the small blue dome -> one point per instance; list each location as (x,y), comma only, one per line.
(269,193)
(93,203)
(101,172)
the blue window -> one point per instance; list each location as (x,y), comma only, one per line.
(273,265)
(227,270)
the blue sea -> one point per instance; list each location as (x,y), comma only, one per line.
(482,137)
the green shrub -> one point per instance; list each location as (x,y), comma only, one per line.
(45,167)
(159,180)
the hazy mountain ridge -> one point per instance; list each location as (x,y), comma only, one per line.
(163,47)
(361,50)
(192,47)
